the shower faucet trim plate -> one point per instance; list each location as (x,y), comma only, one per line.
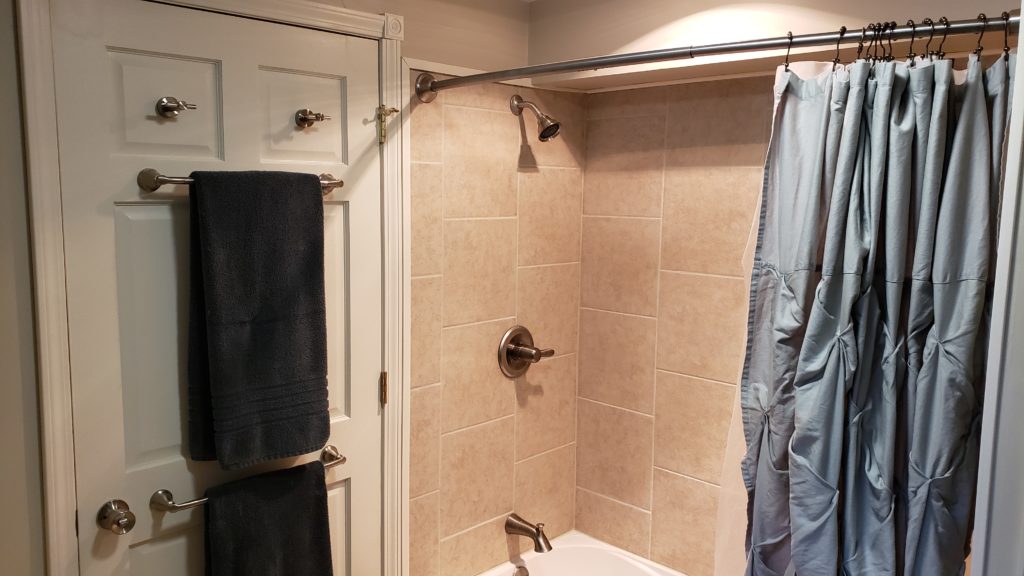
(516,352)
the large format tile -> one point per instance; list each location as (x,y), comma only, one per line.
(479,270)
(426,219)
(476,475)
(616,523)
(546,406)
(708,216)
(569,147)
(425,350)
(480,151)
(617,359)
(549,216)
(722,123)
(691,425)
(628,103)
(614,453)
(620,264)
(683,527)
(474,389)
(426,128)
(424,543)
(625,162)
(474,551)
(549,301)
(545,491)
(424,440)
(702,325)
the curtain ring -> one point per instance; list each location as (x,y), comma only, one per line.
(1006,35)
(892,30)
(945,32)
(788,48)
(879,30)
(860,43)
(913,34)
(984,24)
(842,32)
(927,46)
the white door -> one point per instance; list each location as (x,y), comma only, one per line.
(127,253)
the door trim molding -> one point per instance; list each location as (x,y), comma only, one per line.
(394,93)
(306,14)
(39,110)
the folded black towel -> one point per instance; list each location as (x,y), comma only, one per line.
(257,319)
(274,524)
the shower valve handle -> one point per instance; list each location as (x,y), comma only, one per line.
(530,353)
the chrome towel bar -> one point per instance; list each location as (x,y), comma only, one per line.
(163,501)
(151,180)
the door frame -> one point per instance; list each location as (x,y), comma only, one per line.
(39,112)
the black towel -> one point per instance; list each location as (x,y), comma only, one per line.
(257,319)
(274,524)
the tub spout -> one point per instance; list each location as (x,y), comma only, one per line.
(515,524)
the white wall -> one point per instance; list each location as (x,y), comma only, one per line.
(21,531)
(480,34)
(566,29)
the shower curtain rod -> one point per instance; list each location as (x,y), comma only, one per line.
(427,86)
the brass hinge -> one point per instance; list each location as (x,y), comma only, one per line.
(383,388)
(383,113)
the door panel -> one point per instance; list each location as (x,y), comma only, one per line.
(127,253)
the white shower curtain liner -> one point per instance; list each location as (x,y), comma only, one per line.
(862,388)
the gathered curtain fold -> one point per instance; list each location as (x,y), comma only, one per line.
(863,384)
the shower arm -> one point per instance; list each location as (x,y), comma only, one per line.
(427,86)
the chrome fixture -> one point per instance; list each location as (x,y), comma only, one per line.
(169,106)
(547,127)
(116,517)
(163,501)
(427,86)
(515,525)
(151,180)
(305,118)
(516,352)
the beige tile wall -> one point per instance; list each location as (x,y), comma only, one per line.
(671,183)
(622,245)
(496,225)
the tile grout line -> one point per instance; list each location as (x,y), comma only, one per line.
(622,217)
(515,306)
(630,314)
(697,377)
(630,410)
(616,500)
(688,477)
(478,322)
(704,274)
(579,317)
(657,322)
(444,307)
(471,528)
(544,453)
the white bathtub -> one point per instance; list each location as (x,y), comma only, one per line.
(575,553)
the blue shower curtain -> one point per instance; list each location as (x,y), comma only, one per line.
(863,384)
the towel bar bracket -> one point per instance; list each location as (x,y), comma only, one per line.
(163,500)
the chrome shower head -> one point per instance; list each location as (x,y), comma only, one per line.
(547,127)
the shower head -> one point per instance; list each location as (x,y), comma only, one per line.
(547,127)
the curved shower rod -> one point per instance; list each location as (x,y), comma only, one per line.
(427,86)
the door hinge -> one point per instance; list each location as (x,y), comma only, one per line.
(383,388)
(383,113)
